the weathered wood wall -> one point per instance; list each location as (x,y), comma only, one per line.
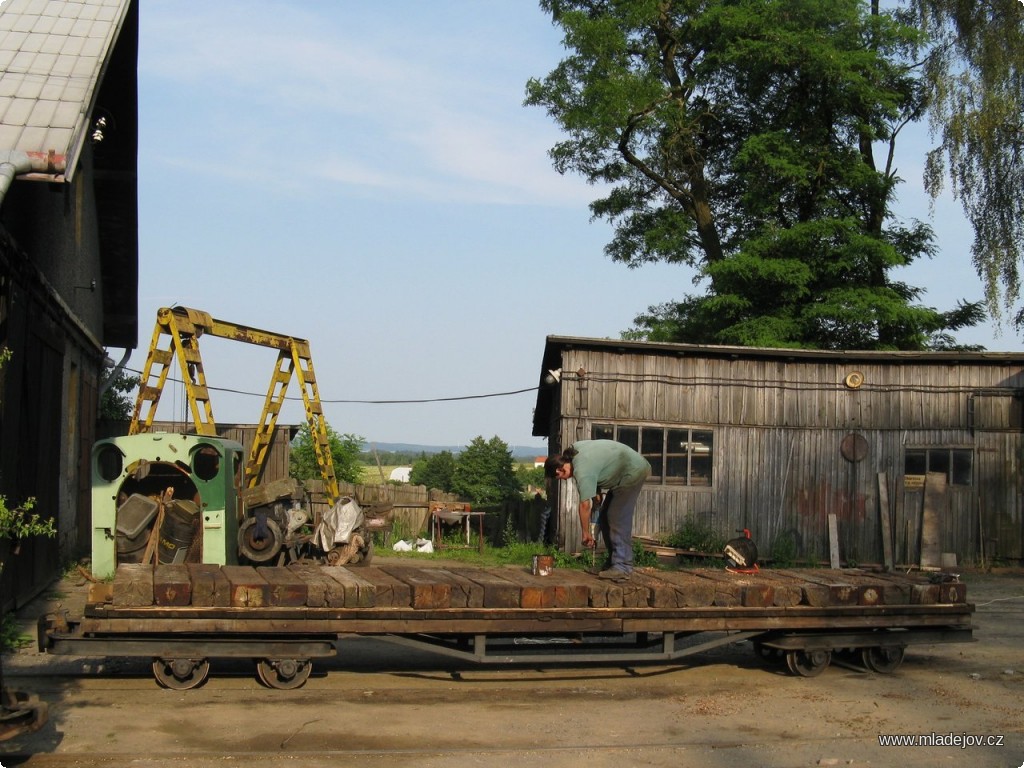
(778,427)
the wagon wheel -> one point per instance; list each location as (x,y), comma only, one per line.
(808,663)
(284,674)
(882,659)
(181,674)
(766,653)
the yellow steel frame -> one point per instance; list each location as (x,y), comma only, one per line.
(182,328)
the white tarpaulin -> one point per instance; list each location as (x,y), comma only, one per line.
(337,524)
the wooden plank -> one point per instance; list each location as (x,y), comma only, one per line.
(878,590)
(317,586)
(388,592)
(499,592)
(265,493)
(465,593)
(693,591)
(572,588)
(606,594)
(427,593)
(534,591)
(171,585)
(634,594)
(660,593)
(841,591)
(248,588)
(321,590)
(210,587)
(885,520)
(286,588)
(786,592)
(812,593)
(133,585)
(896,588)
(740,589)
(934,505)
(359,593)
(833,541)
(933,594)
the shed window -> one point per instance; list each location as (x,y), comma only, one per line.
(678,455)
(957,464)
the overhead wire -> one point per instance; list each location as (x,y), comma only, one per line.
(666,379)
(362,402)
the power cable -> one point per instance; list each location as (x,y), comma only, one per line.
(363,402)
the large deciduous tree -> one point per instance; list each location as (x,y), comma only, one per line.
(974,72)
(740,138)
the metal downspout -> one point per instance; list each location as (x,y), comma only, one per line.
(14,162)
(114,373)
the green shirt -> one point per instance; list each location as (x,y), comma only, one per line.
(607,465)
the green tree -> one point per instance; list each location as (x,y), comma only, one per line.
(531,475)
(115,403)
(434,471)
(484,472)
(738,138)
(974,76)
(345,451)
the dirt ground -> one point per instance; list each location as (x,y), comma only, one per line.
(380,705)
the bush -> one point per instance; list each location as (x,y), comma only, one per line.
(697,537)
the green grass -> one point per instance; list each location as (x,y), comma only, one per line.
(11,636)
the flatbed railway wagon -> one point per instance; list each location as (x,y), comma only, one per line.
(182,616)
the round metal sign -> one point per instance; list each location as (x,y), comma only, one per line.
(853,447)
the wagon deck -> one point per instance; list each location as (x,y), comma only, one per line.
(183,615)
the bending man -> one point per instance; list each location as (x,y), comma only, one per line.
(620,472)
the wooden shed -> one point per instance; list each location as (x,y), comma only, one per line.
(917,455)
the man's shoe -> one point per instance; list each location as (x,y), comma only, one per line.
(614,574)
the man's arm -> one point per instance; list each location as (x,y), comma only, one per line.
(585,507)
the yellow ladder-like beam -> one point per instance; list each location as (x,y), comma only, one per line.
(315,418)
(183,326)
(181,344)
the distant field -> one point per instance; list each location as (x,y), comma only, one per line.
(371,475)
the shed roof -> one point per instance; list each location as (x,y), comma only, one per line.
(555,345)
(53,54)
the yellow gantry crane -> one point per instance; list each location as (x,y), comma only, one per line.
(176,338)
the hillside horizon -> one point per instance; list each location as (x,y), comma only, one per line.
(518,451)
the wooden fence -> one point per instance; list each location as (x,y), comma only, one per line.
(410,510)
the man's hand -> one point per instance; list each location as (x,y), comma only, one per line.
(588,540)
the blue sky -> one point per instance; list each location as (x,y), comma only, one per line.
(365,176)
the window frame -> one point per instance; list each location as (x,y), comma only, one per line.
(951,464)
(698,465)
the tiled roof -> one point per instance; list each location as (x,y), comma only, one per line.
(52,58)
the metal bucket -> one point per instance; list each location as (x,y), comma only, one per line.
(543,565)
(131,549)
(177,532)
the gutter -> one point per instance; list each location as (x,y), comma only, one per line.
(14,162)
